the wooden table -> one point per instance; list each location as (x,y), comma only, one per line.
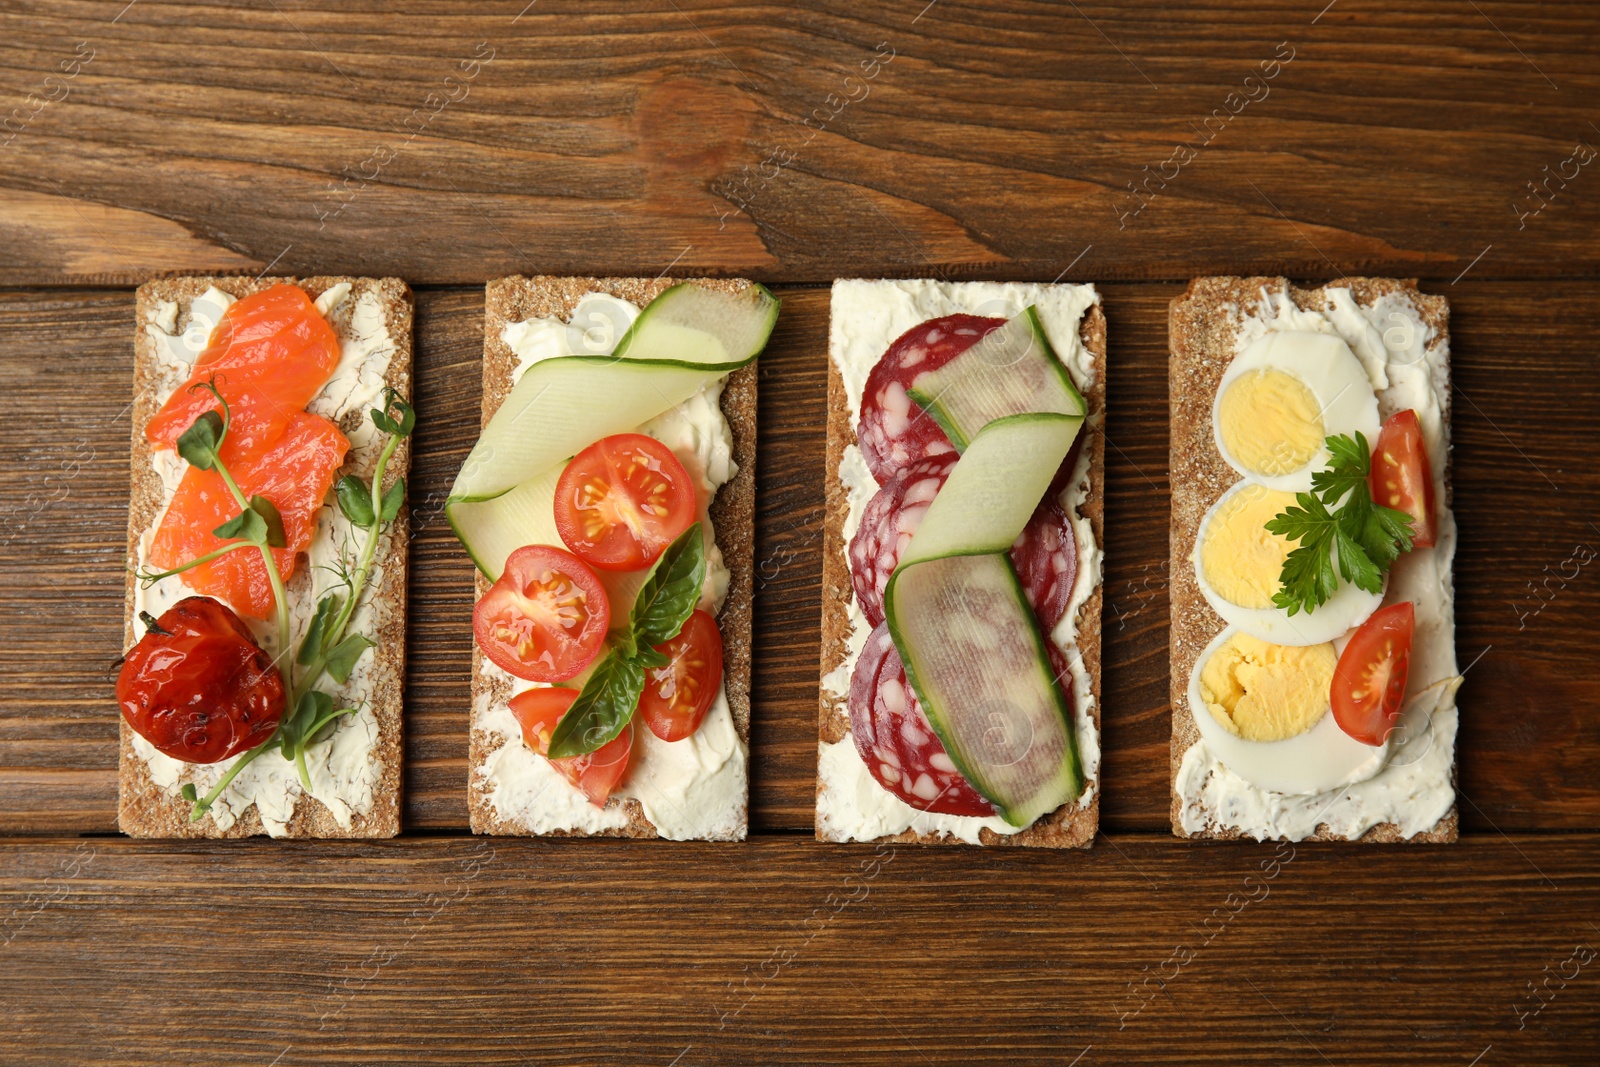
(1024,140)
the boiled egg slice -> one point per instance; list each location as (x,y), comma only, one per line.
(1263,710)
(1237,564)
(1282,397)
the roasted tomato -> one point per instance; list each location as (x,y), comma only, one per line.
(598,773)
(1369,683)
(198,687)
(546,618)
(622,501)
(1401,478)
(677,696)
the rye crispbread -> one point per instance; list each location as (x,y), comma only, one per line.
(517,299)
(146,809)
(1068,826)
(1203,327)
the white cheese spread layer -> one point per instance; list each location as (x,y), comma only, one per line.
(344,766)
(865,318)
(690,789)
(1414,790)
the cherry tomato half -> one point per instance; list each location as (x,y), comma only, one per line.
(546,618)
(622,501)
(203,690)
(1369,684)
(1401,478)
(596,774)
(677,696)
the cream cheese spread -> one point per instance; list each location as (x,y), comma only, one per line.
(1414,789)
(344,766)
(689,789)
(866,317)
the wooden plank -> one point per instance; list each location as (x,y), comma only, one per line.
(557,952)
(1526,407)
(1007,140)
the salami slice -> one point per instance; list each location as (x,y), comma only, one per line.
(1045,555)
(887,523)
(895,741)
(894,431)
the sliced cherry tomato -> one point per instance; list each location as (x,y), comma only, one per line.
(596,774)
(198,687)
(677,696)
(622,501)
(1401,478)
(1369,684)
(546,618)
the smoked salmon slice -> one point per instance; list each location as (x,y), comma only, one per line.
(295,473)
(269,355)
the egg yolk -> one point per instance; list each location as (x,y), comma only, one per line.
(1239,559)
(1265,692)
(1270,421)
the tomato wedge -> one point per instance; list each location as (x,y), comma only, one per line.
(546,618)
(622,501)
(596,774)
(1401,478)
(677,696)
(1369,684)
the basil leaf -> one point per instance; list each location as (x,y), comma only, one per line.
(668,596)
(274,522)
(248,525)
(199,443)
(602,710)
(397,416)
(342,658)
(327,610)
(393,497)
(650,659)
(355,499)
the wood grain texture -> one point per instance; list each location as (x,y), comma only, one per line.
(1525,499)
(997,140)
(783,950)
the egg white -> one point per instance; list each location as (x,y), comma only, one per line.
(1348,608)
(1321,759)
(1324,363)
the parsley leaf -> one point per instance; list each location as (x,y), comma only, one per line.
(1364,536)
